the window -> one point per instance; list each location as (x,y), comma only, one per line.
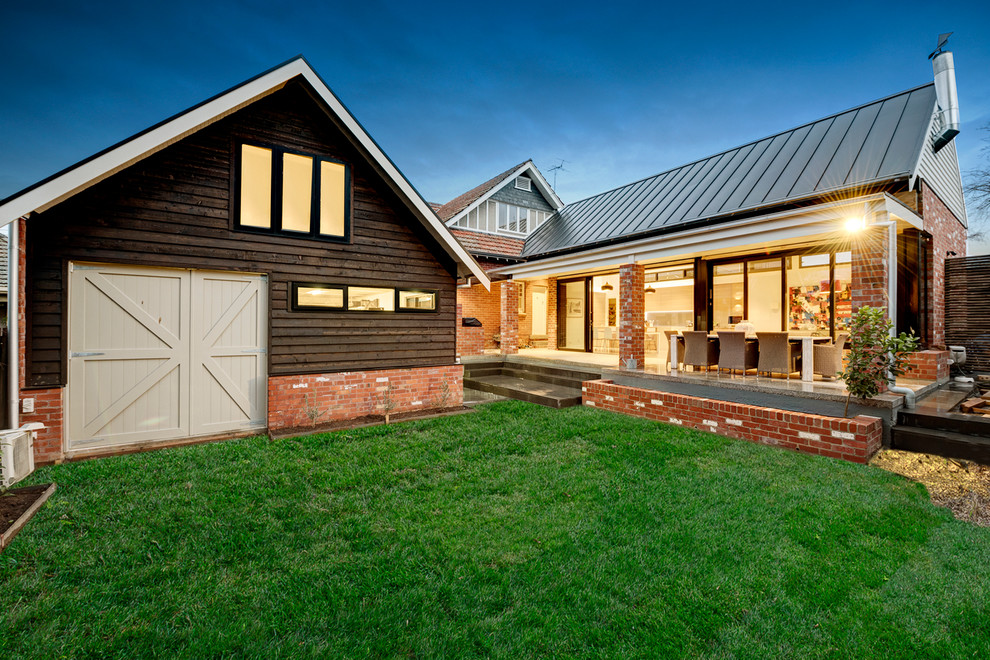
(369,299)
(280,191)
(500,218)
(317,296)
(524,183)
(332,297)
(420,301)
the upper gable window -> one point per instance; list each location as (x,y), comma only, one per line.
(286,192)
(524,183)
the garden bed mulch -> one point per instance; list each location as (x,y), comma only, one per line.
(961,486)
(17,506)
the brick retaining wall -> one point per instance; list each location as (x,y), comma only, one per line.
(346,395)
(855,439)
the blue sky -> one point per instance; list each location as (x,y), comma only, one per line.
(458,92)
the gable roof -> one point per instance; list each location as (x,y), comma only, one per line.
(877,142)
(474,197)
(76,178)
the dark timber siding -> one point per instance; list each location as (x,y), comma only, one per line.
(172,210)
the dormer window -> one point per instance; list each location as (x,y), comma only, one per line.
(524,183)
(286,192)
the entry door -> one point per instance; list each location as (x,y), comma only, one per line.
(161,354)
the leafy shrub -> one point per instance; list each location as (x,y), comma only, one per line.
(876,356)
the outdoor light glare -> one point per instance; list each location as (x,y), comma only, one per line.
(855,224)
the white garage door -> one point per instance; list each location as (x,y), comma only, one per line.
(161,354)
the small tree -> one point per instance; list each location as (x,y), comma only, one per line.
(876,356)
(388,402)
(313,411)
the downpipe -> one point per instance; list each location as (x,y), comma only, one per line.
(909,396)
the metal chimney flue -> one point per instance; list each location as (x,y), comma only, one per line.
(947,117)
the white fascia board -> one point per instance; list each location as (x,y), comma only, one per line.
(143,145)
(824,219)
(427,215)
(897,209)
(93,171)
(544,185)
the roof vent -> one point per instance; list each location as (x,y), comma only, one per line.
(947,117)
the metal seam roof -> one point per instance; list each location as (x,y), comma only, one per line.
(868,144)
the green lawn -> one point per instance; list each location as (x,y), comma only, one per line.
(516,531)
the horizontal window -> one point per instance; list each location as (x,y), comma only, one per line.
(343,297)
(279,191)
(305,296)
(420,301)
(368,299)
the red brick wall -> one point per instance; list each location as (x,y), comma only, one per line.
(509,300)
(632,333)
(854,439)
(48,411)
(486,306)
(347,395)
(470,341)
(868,282)
(928,365)
(948,235)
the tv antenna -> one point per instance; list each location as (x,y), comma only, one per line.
(558,168)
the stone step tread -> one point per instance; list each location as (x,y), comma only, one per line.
(555,396)
(543,378)
(567,372)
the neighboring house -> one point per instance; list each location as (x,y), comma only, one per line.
(255,262)
(792,232)
(492,221)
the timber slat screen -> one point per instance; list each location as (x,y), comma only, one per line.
(967,308)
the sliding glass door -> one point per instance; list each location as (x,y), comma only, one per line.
(572,314)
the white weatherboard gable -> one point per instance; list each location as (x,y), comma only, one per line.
(529,169)
(87,173)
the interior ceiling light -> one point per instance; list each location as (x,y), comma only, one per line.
(607,287)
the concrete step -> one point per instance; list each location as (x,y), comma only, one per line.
(475,372)
(563,372)
(941,443)
(525,389)
(541,377)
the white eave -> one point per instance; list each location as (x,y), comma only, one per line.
(77,178)
(792,226)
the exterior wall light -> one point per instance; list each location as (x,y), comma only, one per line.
(854,225)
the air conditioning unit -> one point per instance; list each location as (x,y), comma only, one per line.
(17,453)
